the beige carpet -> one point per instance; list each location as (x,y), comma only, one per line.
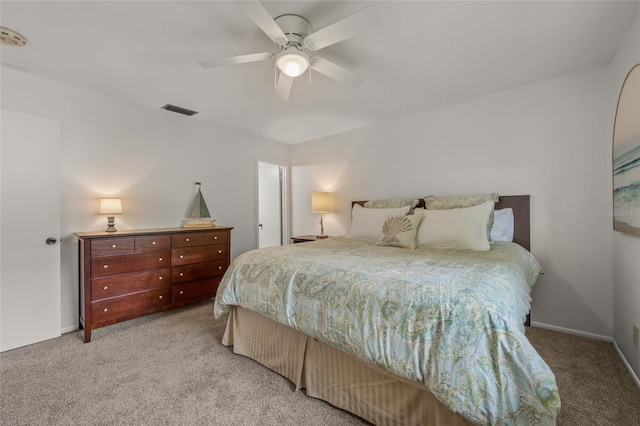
(595,387)
(170,369)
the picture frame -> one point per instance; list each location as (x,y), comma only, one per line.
(626,156)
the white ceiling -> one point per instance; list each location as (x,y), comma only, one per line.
(426,54)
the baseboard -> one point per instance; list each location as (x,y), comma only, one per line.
(69,329)
(634,376)
(571,331)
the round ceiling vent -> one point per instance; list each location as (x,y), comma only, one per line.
(12,38)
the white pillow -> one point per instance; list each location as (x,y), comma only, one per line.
(502,225)
(464,228)
(366,224)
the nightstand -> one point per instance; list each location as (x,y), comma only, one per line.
(305,238)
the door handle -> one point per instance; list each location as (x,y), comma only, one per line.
(51,241)
(260,225)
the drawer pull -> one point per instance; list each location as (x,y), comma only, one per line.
(105,266)
(160,259)
(159,278)
(215,238)
(219,267)
(113,246)
(182,274)
(220,251)
(105,310)
(181,292)
(181,256)
(186,239)
(153,243)
(159,297)
(105,287)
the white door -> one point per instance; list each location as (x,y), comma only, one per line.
(270,204)
(29,215)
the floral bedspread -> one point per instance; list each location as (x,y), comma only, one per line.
(450,319)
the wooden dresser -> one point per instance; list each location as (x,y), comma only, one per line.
(128,274)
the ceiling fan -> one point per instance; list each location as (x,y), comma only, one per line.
(293,35)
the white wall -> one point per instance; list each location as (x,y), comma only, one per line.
(148,157)
(544,139)
(626,248)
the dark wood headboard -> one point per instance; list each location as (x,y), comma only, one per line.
(521,217)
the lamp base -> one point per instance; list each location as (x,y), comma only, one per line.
(111,224)
(322,237)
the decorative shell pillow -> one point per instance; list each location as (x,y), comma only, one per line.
(459,201)
(400,231)
(366,224)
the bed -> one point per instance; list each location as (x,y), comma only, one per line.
(396,336)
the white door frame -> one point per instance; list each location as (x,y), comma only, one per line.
(284,185)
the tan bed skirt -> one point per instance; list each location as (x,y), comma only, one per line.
(334,376)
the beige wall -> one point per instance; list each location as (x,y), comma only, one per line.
(626,248)
(544,139)
(149,158)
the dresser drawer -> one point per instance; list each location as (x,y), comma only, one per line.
(199,239)
(187,255)
(218,237)
(157,242)
(186,240)
(104,288)
(111,246)
(196,271)
(129,306)
(206,287)
(114,265)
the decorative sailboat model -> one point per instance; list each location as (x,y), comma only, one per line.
(199,216)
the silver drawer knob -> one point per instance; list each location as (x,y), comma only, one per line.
(182,274)
(215,238)
(181,256)
(113,246)
(159,297)
(219,267)
(160,259)
(105,266)
(186,239)
(153,243)
(105,310)
(105,287)
(159,278)
(219,251)
(181,292)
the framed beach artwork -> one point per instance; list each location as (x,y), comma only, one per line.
(626,156)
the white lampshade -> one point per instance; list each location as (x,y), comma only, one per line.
(321,202)
(292,62)
(110,206)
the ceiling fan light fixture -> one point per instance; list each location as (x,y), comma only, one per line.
(292,62)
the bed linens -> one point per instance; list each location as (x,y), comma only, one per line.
(450,319)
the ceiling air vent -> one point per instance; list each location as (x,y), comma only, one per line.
(179,110)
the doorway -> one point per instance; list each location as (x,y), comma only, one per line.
(272,203)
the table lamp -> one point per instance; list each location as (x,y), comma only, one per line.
(320,203)
(110,207)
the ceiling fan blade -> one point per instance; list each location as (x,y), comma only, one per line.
(232,60)
(336,72)
(263,19)
(346,28)
(284,87)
